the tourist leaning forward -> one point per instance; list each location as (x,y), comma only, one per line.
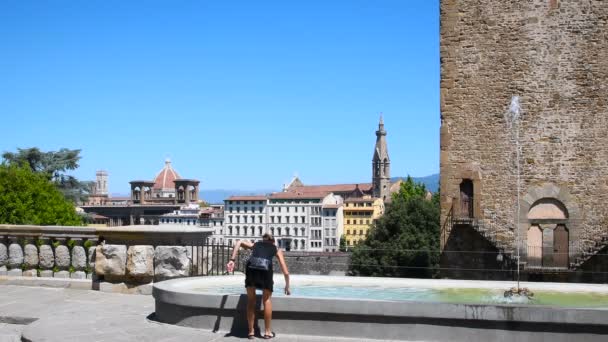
(258,275)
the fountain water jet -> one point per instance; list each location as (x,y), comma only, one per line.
(513,116)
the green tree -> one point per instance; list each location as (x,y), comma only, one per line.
(27,197)
(53,165)
(342,247)
(404,242)
(409,189)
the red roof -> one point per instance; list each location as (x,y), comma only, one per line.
(359,200)
(298,195)
(331,188)
(165,179)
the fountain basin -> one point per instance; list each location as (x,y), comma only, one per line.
(219,304)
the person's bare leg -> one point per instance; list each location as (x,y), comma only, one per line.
(250,309)
(267,311)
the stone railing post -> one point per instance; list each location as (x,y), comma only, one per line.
(111,262)
(140,264)
(79,259)
(3,256)
(15,257)
(91,258)
(30,260)
(46,257)
(62,259)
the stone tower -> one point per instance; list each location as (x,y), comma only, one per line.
(101,182)
(381,165)
(551,58)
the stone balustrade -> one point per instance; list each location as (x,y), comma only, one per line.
(132,256)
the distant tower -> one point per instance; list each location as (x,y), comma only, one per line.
(101,182)
(381,165)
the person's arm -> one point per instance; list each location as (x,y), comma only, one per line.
(284,269)
(235,251)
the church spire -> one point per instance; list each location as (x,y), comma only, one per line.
(381,164)
(381,150)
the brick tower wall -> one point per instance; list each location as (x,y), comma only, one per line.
(553,55)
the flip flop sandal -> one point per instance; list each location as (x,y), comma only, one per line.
(268,337)
(251,337)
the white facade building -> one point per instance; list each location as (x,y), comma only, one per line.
(186,216)
(213,217)
(333,222)
(311,222)
(244,218)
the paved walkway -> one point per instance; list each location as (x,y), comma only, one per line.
(83,315)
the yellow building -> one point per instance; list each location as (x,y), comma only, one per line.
(359,216)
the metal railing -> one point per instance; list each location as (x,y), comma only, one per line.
(210,259)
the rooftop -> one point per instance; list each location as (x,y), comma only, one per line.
(331,188)
(298,195)
(247,198)
(164,180)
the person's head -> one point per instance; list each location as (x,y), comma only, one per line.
(268,237)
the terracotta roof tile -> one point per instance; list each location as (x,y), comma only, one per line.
(331,188)
(166,177)
(359,200)
(298,195)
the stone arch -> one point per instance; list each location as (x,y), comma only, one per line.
(547,209)
(549,205)
(385,167)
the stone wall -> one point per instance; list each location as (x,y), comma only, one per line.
(58,257)
(311,263)
(316,263)
(554,55)
(123,258)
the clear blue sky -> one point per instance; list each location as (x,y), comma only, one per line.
(239,94)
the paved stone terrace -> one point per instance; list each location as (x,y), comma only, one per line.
(85,315)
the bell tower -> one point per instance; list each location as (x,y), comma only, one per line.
(381,165)
(101,182)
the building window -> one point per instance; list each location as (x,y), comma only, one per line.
(348,232)
(361,232)
(347,221)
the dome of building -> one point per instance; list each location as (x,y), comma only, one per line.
(164,180)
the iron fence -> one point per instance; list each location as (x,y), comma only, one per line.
(210,259)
